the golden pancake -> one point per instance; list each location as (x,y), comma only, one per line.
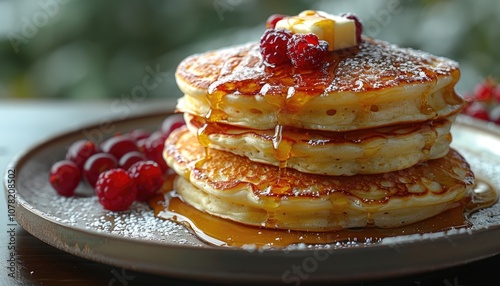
(375,84)
(236,188)
(370,151)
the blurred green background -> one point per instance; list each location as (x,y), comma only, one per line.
(79,50)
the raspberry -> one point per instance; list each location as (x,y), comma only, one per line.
(141,144)
(477,110)
(171,123)
(273,45)
(359,26)
(79,151)
(153,149)
(97,164)
(306,50)
(273,19)
(148,178)
(119,145)
(64,176)
(484,91)
(138,134)
(130,158)
(116,190)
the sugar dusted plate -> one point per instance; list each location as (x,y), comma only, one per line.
(137,240)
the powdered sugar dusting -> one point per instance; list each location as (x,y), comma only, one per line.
(379,64)
(374,65)
(485,167)
(85,212)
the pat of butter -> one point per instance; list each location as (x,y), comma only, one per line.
(338,31)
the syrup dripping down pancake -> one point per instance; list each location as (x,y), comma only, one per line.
(375,84)
(371,151)
(235,188)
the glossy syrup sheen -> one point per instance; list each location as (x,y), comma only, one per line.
(222,232)
(372,66)
(284,138)
(314,137)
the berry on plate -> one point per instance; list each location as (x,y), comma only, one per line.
(130,158)
(64,176)
(119,145)
(79,151)
(116,190)
(122,169)
(171,123)
(153,148)
(484,102)
(148,177)
(138,134)
(97,164)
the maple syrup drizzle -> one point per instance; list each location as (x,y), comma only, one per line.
(222,232)
(283,87)
(283,143)
(287,90)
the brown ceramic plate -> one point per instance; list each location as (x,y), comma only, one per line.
(137,240)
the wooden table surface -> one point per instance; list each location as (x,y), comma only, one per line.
(22,123)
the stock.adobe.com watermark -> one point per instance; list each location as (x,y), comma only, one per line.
(296,274)
(382,18)
(122,107)
(120,278)
(223,6)
(11,259)
(47,10)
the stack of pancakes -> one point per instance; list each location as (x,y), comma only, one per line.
(362,140)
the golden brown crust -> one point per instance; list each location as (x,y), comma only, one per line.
(273,115)
(228,173)
(369,151)
(375,65)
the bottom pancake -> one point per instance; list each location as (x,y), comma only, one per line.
(235,188)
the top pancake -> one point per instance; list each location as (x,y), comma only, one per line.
(375,84)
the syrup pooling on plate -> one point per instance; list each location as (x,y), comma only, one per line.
(222,232)
(361,88)
(483,196)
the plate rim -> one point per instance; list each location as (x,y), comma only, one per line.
(28,210)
